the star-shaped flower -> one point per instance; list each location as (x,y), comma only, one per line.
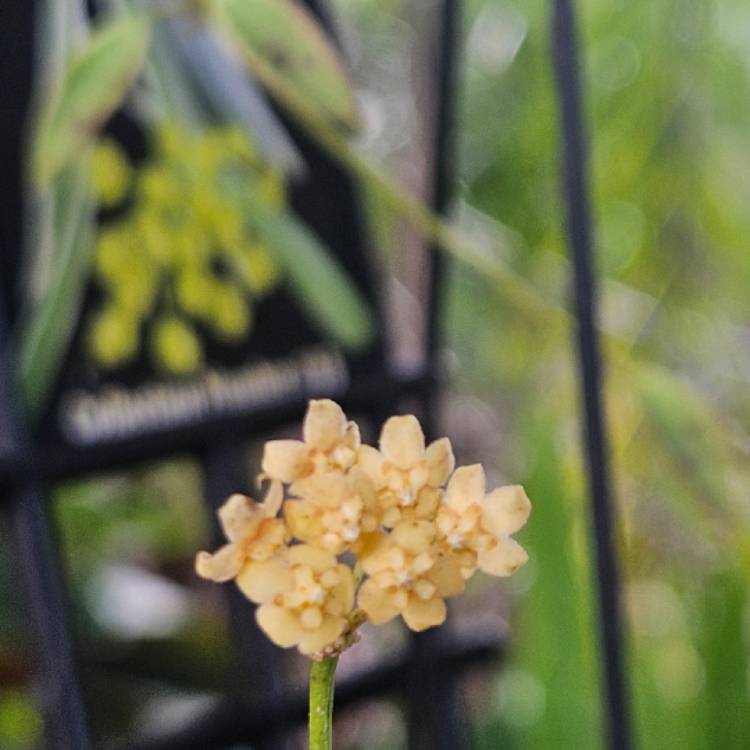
(408,476)
(253,531)
(305,596)
(408,575)
(476,527)
(330,442)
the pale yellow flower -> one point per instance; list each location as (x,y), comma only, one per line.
(330,442)
(253,531)
(334,509)
(408,575)
(305,595)
(476,526)
(408,475)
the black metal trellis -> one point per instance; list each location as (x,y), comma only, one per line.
(425,674)
(595,437)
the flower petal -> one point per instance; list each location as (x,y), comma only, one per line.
(326,489)
(465,487)
(325,424)
(504,559)
(370,461)
(274,498)
(330,629)
(280,625)
(318,559)
(237,515)
(222,566)
(505,510)
(262,581)
(421,614)
(440,461)
(285,460)
(343,592)
(446,575)
(402,441)
(303,520)
(414,536)
(378,604)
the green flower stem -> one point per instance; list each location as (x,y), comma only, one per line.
(321,703)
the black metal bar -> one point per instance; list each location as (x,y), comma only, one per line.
(36,557)
(258,672)
(436,718)
(40,576)
(595,440)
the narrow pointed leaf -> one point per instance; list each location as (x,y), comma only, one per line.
(93,86)
(286,36)
(321,286)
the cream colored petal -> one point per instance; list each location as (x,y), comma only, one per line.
(325,424)
(504,559)
(238,516)
(440,461)
(352,438)
(505,510)
(330,629)
(261,581)
(421,614)
(285,460)
(273,500)
(446,575)
(303,519)
(272,535)
(370,460)
(280,625)
(428,502)
(327,489)
(378,604)
(413,535)
(383,556)
(343,592)
(317,559)
(465,487)
(402,441)
(311,618)
(221,566)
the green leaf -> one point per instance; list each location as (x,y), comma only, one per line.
(93,86)
(284,35)
(46,328)
(320,284)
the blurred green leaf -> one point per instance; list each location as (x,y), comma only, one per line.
(46,326)
(724,648)
(93,86)
(285,35)
(321,285)
(686,429)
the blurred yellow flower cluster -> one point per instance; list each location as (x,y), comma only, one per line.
(363,532)
(181,256)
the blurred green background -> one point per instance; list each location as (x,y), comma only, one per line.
(669,117)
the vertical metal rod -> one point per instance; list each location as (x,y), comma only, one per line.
(36,554)
(595,441)
(40,575)
(259,674)
(436,721)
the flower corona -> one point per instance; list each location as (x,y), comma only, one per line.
(349,532)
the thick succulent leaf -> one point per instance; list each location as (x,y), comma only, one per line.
(93,86)
(286,36)
(321,286)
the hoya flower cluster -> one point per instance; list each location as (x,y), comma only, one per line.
(348,531)
(182,256)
